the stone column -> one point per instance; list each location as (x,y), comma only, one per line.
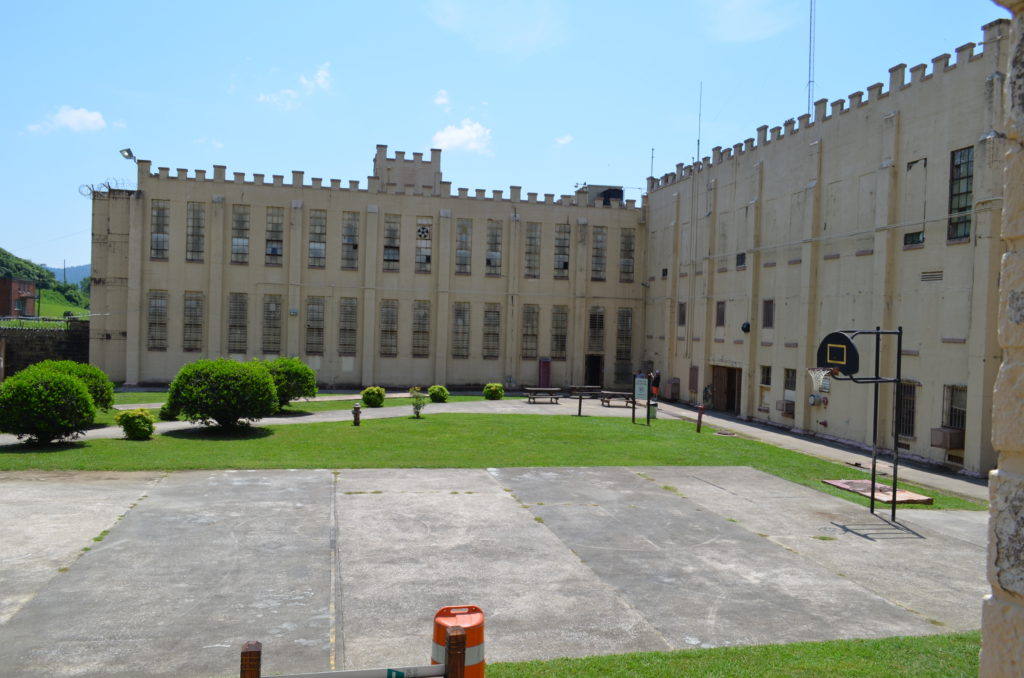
(1003,610)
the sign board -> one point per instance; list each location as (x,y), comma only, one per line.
(837,350)
(640,388)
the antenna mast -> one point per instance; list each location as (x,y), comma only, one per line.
(700,110)
(810,62)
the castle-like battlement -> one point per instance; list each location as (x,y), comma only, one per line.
(994,33)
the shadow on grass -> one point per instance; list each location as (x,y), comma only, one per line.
(293,413)
(220,433)
(38,448)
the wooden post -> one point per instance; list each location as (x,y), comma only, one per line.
(454,652)
(252,653)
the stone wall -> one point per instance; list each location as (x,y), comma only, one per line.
(25,346)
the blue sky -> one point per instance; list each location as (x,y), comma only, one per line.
(542,94)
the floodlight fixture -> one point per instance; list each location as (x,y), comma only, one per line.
(127,154)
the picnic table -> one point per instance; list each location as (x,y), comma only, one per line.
(588,391)
(608,396)
(534,392)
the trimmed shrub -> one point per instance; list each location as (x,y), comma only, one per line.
(43,404)
(438,394)
(169,412)
(293,379)
(373,396)
(224,391)
(100,387)
(137,424)
(494,391)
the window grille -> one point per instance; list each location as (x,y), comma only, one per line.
(271,324)
(531,322)
(493,247)
(389,328)
(627,254)
(954,406)
(317,238)
(562,243)
(424,226)
(347,325)
(275,236)
(789,379)
(192,330)
(239,234)
(463,246)
(961,193)
(156,332)
(392,241)
(421,329)
(492,331)
(314,325)
(599,253)
(350,240)
(766,375)
(719,314)
(624,336)
(159,238)
(238,322)
(532,254)
(595,334)
(768,313)
(195,227)
(907,393)
(559,331)
(741,259)
(460,329)
(915,238)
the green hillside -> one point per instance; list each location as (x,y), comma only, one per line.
(61,296)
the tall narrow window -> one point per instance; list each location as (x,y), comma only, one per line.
(350,240)
(156,321)
(239,234)
(627,255)
(159,229)
(532,257)
(789,379)
(961,193)
(719,314)
(192,329)
(768,313)
(562,232)
(421,329)
(271,344)
(681,314)
(492,331)
(347,325)
(389,328)
(392,241)
(238,322)
(599,253)
(424,226)
(317,238)
(493,247)
(195,227)
(906,391)
(531,320)
(766,375)
(595,330)
(314,325)
(463,246)
(954,406)
(460,329)
(275,236)
(559,331)
(623,345)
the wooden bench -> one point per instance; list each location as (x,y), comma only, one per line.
(584,391)
(534,392)
(608,396)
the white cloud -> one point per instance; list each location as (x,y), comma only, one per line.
(74,119)
(442,99)
(749,20)
(469,136)
(322,79)
(562,141)
(288,98)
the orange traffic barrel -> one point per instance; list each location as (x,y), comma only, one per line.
(470,618)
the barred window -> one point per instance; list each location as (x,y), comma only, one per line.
(463,246)
(421,329)
(954,406)
(719,314)
(392,241)
(789,379)
(424,226)
(389,328)
(906,391)
(350,240)
(559,331)
(531,321)
(195,226)
(271,324)
(159,229)
(347,325)
(460,329)
(766,375)
(239,234)
(156,321)
(961,193)
(768,313)
(624,335)
(681,314)
(317,238)
(314,325)
(275,236)
(599,253)
(493,247)
(238,322)
(192,330)
(532,250)
(562,233)
(595,330)
(492,331)
(627,255)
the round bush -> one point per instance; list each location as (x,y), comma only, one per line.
(224,391)
(373,396)
(137,424)
(293,379)
(43,404)
(438,394)
(494,391)
(169,412)
(100,387)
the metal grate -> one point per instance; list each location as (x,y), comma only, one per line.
(531,322)
(156,321)
(195,225)
(350,240)
(421,329)
(460,329)
(559,331)
(347,325)
(275,236)
(314,325)
(492,331)
(238,322)
(272,324)
(192,330)
(389,328)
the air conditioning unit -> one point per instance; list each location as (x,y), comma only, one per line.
(787,407)
(948,438)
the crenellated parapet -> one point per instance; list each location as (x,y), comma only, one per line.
(828,112)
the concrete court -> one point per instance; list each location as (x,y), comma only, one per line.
(334,570)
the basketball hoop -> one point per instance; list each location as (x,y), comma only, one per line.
(822,377)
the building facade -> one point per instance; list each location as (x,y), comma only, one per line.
(17,298)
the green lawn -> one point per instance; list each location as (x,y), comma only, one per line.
(446,441)
(945,656)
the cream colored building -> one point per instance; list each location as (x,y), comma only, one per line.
(879,210)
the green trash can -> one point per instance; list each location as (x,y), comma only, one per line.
(652,411)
